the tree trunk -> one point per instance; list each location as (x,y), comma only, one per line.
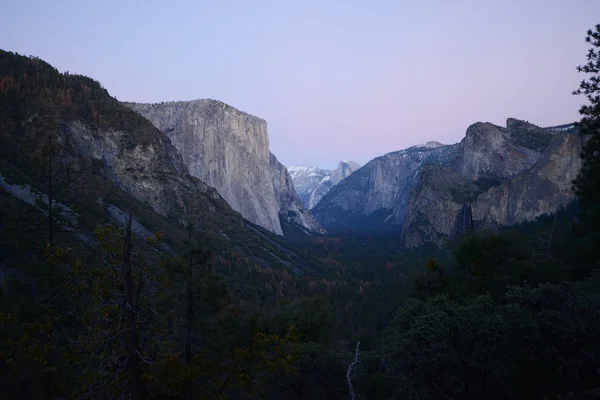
(189,384)
(50,212)
(137,387)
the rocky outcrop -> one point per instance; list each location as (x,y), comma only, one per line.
(290,204)
(531,175)
(229,150)
(434,205)
(488,151)
(376,195)
(283,185)
(344,169)
(312,183)
(541,190)
(147,166)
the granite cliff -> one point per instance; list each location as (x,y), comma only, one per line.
(229,150)
(376,195)
(291,209)
(313,183)
(508,175)
(150,170)
(499,175)
(344,170)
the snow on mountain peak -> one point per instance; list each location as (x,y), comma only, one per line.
(312,183)
(432,144)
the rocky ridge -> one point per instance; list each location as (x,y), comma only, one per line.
(376,195)
(291,208)
(507,174)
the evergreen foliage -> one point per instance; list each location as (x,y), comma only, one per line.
(587,184)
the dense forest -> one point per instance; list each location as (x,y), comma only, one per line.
(94,309)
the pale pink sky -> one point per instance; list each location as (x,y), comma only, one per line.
(334,79)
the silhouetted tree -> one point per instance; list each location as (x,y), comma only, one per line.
(117,343)
(587,184)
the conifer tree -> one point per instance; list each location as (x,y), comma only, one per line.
(587,184)
(119,326)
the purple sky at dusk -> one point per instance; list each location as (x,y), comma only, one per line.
(334,79)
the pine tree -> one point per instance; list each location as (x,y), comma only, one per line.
(587,184)
(195,256)
(119,337)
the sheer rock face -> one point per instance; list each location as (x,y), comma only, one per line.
(150,170)
(542,189)
(290,204)
(488,151)
(433,207)
(228,150)
(376,195)
(344,169)
(312,183)
(531,175)
(507,174)
(283,185)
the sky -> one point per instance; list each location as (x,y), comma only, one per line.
(335,80)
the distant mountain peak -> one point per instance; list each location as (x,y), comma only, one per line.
(432,144)
(312,183)
(349,162)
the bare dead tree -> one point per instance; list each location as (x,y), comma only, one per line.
(57,173)
(189,384)
(137,387)
(119,322)
(353,394)
(197,256)
(545,240)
